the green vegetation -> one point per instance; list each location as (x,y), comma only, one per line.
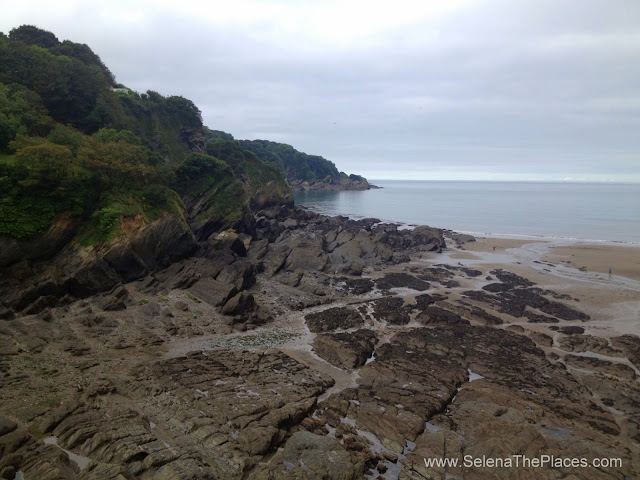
(263,181)
(74,141)
(297,166)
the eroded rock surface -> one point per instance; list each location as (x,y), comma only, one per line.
(307,349)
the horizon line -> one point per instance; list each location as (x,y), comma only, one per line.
(626,182)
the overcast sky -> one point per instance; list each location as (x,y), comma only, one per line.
(455,89)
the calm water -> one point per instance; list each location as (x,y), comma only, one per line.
(594,211)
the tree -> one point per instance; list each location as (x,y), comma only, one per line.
(32,35)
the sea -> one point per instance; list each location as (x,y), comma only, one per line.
(600,212)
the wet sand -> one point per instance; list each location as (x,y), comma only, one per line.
(569,267)
(624,261)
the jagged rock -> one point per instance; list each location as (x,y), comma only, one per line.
(275,258)
(307,255)
(228,240)
(401,280)
(359,286)
(213,292)
(571,330)
(333,319)
(241,274)
(62,229)
(115,300)
(434,315)
(150,309)
(313,457)
(83,271)
(391,310)
(630,345)
(605,366)
(239,304)
(346,349)
(257,249)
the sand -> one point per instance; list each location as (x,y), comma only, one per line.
(624,261)
(568,267)
(486,244)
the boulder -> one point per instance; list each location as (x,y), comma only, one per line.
(241,274)
(213,292)
(241,303)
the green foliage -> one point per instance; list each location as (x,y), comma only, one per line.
(24,216)
(67,136)
(213,135)
(296,166)
(263,181)
(69,89)
(185,110)
(198,172)
(21,111)
(83,53)
(32,35)
(69,143)
(224,196)
(119,158)
(161,121)
(150,203)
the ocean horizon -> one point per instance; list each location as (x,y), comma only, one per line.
(587,211)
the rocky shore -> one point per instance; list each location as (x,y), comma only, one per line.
(306,346)
(344,184)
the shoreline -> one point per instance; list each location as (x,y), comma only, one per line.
(624,260)
(466,348)
(479,234)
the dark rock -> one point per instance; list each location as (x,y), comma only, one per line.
(359,286)
(630,345)
(471,272)
(435,315)
(424,300)
(313,457)
(213,292)
(150,309)
(333,319)
(538,318)
(227,241)
(241,274)
(571,330)
(350,350)
(391,310)
(239,304)
(115,300)
(401,280)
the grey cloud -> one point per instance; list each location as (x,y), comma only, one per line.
(526,89)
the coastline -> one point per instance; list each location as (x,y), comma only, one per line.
(389,355)
(585,255)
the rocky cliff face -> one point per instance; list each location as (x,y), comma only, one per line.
(53,270)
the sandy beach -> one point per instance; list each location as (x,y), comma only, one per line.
(624,261)
(577,269)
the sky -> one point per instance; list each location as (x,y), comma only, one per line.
(543,90)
